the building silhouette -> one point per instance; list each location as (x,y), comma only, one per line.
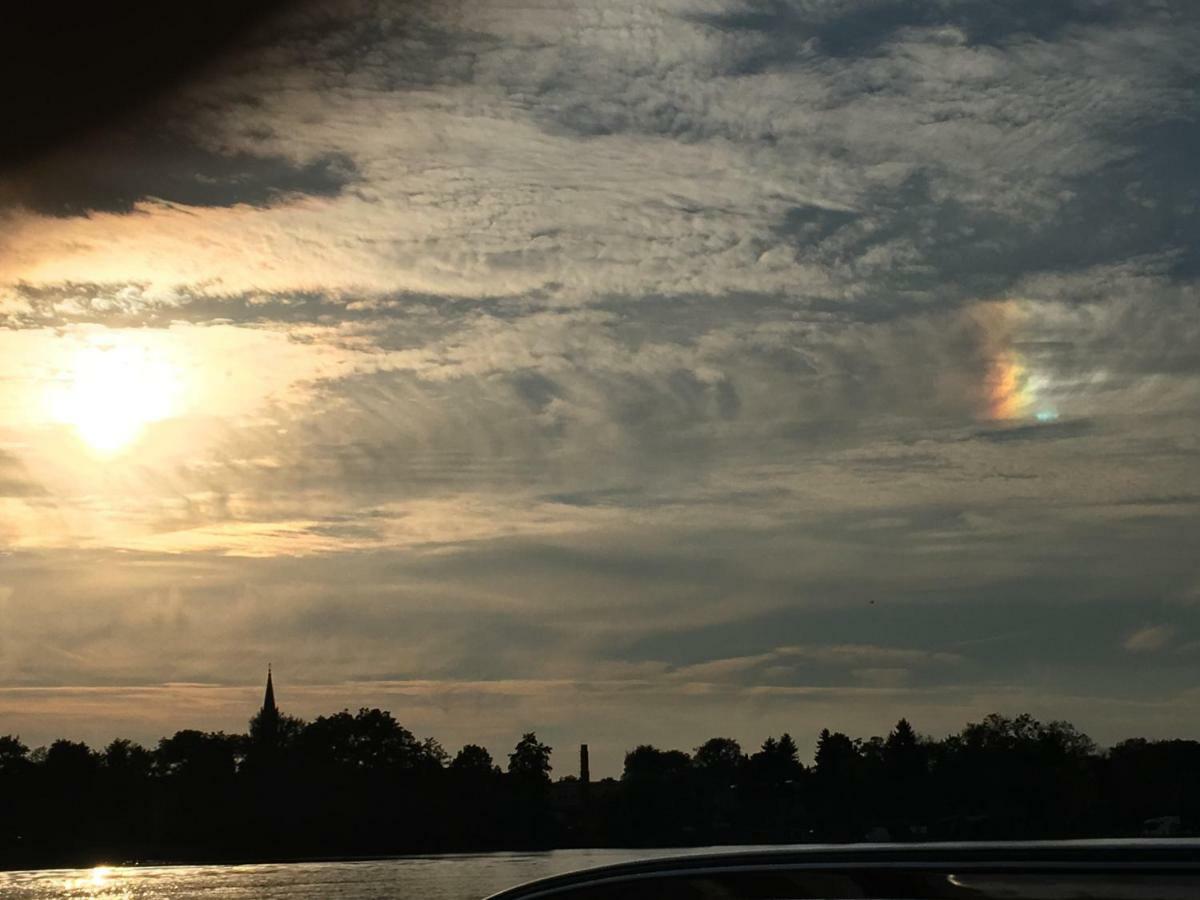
(264,727)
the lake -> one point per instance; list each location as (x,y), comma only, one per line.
(451,877)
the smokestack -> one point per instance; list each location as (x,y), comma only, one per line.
(585,776)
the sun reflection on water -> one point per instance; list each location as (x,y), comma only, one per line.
(98,882)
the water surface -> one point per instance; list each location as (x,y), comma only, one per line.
(451,877)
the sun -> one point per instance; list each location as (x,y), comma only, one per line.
(110,388)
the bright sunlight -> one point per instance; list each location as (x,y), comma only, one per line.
(111,388)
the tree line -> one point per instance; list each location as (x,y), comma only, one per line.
(362,784)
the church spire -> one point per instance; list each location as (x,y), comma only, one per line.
(264,727)
(269,708)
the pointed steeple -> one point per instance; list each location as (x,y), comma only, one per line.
(264,727)
(269,708)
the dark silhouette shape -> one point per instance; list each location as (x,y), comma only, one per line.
(530,760)
(529,816)
(474,760)
(68,68)
(268,716)
(362,783)
(721,756)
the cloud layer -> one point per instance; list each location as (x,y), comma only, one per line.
(719,362)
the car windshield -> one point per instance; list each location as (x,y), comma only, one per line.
(501,426)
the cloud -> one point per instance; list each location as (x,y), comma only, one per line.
(1049,431)
(817,665)
(861,28)
(923,173)
(765,362)
(1150,639)
(120,172)
(15,480)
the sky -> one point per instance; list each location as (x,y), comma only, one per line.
(629,372)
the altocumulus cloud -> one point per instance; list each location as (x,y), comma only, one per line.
(778,364)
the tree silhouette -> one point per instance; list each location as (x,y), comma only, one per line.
(70,761)
(275,732)
(777,763)
(362,783)
(125,758)
(903,788)
(647,765)
(530,760)
(659,796)
(371,739)
(839,786)
(16,781)
(720,756)
(529,773)
(473,760)
(13,754)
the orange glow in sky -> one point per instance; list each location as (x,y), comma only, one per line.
(1006,382)
(110,388)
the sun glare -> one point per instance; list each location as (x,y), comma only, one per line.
(94,882)
(110,389)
